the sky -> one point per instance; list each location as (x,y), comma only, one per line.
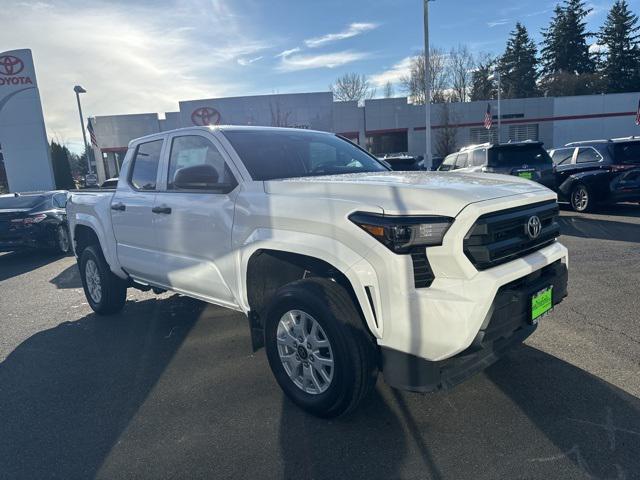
(136,56)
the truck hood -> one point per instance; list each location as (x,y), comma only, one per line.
(406,193)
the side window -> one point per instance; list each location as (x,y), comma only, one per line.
(196,151)
(462,160)
(562,156)
(588,155)
(479,157)
(59,200)
(145,165)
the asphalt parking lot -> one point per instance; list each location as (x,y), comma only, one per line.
(170,389)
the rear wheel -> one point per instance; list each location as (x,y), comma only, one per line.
(63,242)
(318,348)
(105,291)
(581,198)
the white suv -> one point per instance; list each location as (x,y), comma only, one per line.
(342,267)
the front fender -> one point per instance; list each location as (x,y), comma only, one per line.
(338,255)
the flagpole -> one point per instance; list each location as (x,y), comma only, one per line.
(78,89)
(427,89)
(499,102)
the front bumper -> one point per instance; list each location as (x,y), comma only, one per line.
(506,325)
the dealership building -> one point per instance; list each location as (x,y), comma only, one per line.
(383,126)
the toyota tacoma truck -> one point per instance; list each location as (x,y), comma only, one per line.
(342,267)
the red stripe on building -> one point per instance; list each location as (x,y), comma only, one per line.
(534,120)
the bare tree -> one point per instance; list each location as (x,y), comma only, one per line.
(388,90)
(461,66)
(414,82)
(352,87)
(447,134)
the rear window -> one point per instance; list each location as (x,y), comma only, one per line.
(23,201)
(506,156)
(268,155)
(627,152)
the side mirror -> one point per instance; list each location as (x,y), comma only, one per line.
(197,177)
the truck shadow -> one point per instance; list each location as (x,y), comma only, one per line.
(589,227)
(17,263)
(67,393)
(68,278)
(593,423)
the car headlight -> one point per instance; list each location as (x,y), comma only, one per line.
(401,233)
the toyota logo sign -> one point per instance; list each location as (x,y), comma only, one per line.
(204,116)
(10,65)
(533,228)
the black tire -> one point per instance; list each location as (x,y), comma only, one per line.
(63,240)
(581,198)
(354,353)
(113,290)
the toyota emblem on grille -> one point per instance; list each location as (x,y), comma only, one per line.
(533,227)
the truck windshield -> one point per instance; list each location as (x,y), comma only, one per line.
(627,152)
(8,202)
(516,155)
(272,154)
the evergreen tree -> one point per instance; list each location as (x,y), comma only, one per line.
(620,59)
(517,66)
(61,168)
(482,87)
(567,65)
(565,47)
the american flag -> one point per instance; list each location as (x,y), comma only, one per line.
(488,118)
(638,114)
(92,134)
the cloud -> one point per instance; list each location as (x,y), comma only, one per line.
(248,61)
(393,74)
(595,48)
(131,58)
(352,30)
(495,23)
(294,62)
(286,53)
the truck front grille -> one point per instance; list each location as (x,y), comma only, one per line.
(500,237)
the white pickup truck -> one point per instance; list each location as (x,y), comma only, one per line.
(342,267)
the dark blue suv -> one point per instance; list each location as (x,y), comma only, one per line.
(596,172)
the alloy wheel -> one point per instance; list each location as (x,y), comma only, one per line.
(92,276)
(305,352)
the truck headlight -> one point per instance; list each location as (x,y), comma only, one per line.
(401,233)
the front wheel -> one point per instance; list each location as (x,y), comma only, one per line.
(318,347)
(581,198)
(105,291)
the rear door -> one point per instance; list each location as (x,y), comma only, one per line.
(131,214)
(193,221)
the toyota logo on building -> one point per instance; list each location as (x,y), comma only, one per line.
(10,65)
(204,116)
(533,227)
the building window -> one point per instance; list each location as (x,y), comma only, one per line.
(482,135)
(387,142)
(520,133)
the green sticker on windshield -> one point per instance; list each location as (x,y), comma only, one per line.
(541,302)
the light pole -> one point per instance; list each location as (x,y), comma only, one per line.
(427,89)
(78,89)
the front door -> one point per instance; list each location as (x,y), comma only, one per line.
(194,218)
(131,214)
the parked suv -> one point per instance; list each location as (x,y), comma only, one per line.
(523,159)
(596,172)
(342,267)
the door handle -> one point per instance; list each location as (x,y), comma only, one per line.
(119,206)
(163,209)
